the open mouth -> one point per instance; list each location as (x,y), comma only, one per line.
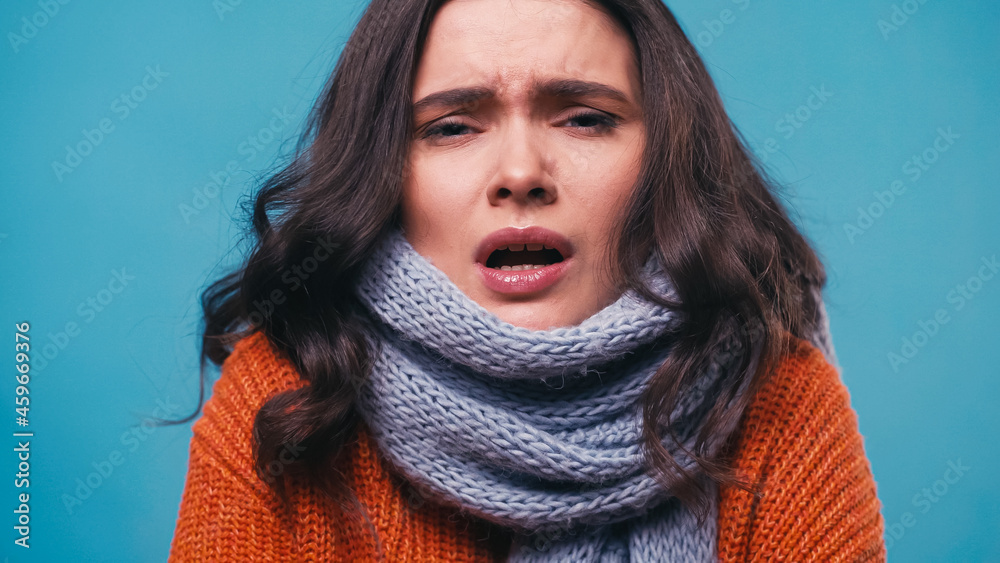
(515,257)
(523,261)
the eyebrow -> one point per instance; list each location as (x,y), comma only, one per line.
(556,88)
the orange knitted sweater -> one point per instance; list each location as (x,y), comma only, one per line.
(799,440)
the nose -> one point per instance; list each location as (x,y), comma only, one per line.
(522,176)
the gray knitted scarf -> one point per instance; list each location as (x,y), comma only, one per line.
(538,431)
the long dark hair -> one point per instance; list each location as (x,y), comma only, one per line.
(702,201)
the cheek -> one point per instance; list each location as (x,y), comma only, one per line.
(417,207)
(422,197)
(610,190)
(435,195)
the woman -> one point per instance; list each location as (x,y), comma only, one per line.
(523,296)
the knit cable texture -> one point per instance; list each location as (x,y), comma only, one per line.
(798,443)
(535,430)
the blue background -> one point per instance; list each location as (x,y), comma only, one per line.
(218,79)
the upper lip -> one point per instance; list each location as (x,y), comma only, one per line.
(525,235)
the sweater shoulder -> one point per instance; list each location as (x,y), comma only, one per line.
(802,389)
(256,369)
(799,444)
(227,511)
(254,372)
(387,519)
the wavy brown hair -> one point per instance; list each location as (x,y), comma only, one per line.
(740,267)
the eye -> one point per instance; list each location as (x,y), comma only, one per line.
(443,128)
(597,121)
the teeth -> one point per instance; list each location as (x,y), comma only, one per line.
(522,267)
(521,247)
(534,246)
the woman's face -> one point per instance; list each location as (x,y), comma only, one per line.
(528,134)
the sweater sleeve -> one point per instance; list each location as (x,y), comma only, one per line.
(817,499)
(227,513)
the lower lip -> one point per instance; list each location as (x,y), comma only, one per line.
(522,281)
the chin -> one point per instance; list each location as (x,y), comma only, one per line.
(535,316)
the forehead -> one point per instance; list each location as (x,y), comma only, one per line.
(512,43)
